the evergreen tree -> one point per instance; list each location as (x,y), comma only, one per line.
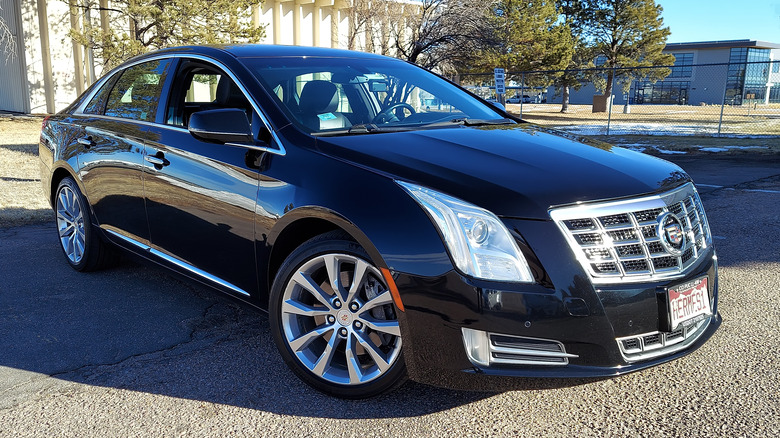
(138,26)
(523,36)
(628,34)
(577,18)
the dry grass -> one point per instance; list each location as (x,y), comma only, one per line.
(738,120)
(21,195)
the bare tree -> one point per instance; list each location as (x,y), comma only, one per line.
(438,33)
(7,40)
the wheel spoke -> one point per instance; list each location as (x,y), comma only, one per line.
(361,267)
(64,215)
(389,327)
(304,340)
(71,203)
(380,300)
(334,274)
(327,356)
(353,365)
(67,230)
(298,308)
(308,284)
(373,351)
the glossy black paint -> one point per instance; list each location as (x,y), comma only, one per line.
(237,211)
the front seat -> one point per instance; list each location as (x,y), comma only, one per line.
(318,104)
(228,95)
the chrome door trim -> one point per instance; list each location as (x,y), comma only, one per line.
(186,266)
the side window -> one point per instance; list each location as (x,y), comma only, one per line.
(203,88)
(137,92)
(98,101)
(198,87)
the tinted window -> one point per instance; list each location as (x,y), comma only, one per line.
(137,92)
(198,87)
(98,102)
(324,94)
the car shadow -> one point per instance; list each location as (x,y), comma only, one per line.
(135,327)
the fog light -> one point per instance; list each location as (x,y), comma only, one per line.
(477,346)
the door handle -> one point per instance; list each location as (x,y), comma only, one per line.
(86,142)
(158,160)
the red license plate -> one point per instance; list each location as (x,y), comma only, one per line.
(688,301)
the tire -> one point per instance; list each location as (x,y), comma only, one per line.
(83,248)
(345,343)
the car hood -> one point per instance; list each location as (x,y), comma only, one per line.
(512,170)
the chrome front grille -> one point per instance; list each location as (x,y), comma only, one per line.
(619,241)
(654,344)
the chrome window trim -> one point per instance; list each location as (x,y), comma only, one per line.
(186,266)
(79,110)
(664,201)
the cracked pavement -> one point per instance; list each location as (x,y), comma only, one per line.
(134,351)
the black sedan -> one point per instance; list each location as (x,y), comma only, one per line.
(391,224)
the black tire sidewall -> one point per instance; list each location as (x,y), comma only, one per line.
(391,379)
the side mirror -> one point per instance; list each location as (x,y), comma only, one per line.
(228,125)
(497,105)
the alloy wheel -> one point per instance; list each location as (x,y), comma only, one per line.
(70,224)
(338,319)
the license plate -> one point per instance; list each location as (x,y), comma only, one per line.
(688,301)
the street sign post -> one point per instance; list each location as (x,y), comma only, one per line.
(499,76)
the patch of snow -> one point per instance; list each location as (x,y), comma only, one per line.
(729,148)
(617,128)
(664,151)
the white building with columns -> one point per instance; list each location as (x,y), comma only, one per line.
(47,70)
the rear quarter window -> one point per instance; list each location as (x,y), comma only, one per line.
(137,92)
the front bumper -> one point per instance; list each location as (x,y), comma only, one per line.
(589,322)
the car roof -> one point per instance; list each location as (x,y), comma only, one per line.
(267,50)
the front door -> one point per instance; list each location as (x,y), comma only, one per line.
(200,196)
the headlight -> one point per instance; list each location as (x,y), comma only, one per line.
(478,242)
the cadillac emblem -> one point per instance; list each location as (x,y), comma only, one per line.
(671,234)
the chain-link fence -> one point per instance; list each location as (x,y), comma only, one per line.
(736,99)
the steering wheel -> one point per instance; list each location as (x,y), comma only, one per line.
(387,115)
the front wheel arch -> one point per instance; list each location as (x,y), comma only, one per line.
(302,224)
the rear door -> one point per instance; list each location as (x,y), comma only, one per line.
(116,123)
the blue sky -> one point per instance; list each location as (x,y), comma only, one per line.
(709,20)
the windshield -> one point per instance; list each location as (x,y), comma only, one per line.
(349,95)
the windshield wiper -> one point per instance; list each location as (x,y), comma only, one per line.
(362,128)
(467,121)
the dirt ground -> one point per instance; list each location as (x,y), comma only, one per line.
(21,195)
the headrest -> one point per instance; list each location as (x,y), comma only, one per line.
(319,97)
(228,94)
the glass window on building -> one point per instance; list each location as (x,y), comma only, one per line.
(683,65)
(664,92)
(747,75)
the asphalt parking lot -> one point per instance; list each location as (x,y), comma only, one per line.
(133,351)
